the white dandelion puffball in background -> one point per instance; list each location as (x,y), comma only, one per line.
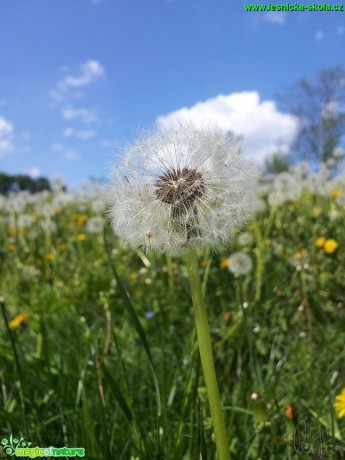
(181,187)
(240,263)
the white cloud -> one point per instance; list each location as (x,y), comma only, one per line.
(72,155)
(88,73)
(6,137)
(85,115)
(276,17)
(319,35)
(34,172)
(84,135)
(263,128)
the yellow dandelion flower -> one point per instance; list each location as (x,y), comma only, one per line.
(80,219)
(330,246)
(63,246)
(11,247)
(134,276)
(203,264)
(18,320)
(81,237)
(339,406)
(319,242)
(335,193)
(291,412)
(49,256)
(224,263)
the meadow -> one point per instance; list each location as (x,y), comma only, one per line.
(98,346)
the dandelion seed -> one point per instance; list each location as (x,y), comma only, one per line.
(181,187)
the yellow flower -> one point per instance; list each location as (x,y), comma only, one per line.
(81,237)
(330,246)
(319,242)
(11,247)
(290,412)
(18,320)
(80,219)
(203,264)
(134,276)
(335,193)
(63,246)
(49,256)
(224,263)
(339,406)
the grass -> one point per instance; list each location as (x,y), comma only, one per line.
(108,359)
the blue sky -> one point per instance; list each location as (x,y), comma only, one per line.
(79,78)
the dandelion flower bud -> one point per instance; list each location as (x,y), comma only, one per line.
(181,187)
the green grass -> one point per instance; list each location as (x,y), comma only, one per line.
(89,368)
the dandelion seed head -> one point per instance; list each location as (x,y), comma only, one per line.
(181,187)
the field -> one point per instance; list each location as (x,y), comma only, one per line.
(98,347)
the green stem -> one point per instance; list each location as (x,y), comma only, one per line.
(206,355)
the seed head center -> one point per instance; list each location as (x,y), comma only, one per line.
(180,187)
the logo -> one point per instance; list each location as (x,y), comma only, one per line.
(21,448)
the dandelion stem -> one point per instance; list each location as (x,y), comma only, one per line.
(206,355)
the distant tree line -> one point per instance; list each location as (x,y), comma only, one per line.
(9,183)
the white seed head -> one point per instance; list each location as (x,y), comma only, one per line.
(181,187)
(240,263)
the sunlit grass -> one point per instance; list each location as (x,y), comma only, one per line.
(98,347)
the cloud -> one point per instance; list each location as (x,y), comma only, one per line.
(34,172)
(89,72)
(6,137)
(84,135)
(72,155)
(319,35)
(263,128)
(81,113)
(276,17)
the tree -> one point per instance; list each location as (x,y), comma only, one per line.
(10,183)
(319,106)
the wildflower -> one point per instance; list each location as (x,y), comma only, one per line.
(49,256)
(11,247)
(240,263)
(320,241)
(291,412)
(81,237)
(203,264)
(63,246)
(224,263)
(150,314)
(335,193)
(330,246)
(80,219)
(18,320)
(245,239)
(339,406)
(181,187)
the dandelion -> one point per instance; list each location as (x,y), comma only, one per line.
(81,237)
(224,263)
(330,246)
(339,406)
(176,190)
(11,247)
(240,263)
(320,241)
(49,256)
(18,320)
(181,188)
